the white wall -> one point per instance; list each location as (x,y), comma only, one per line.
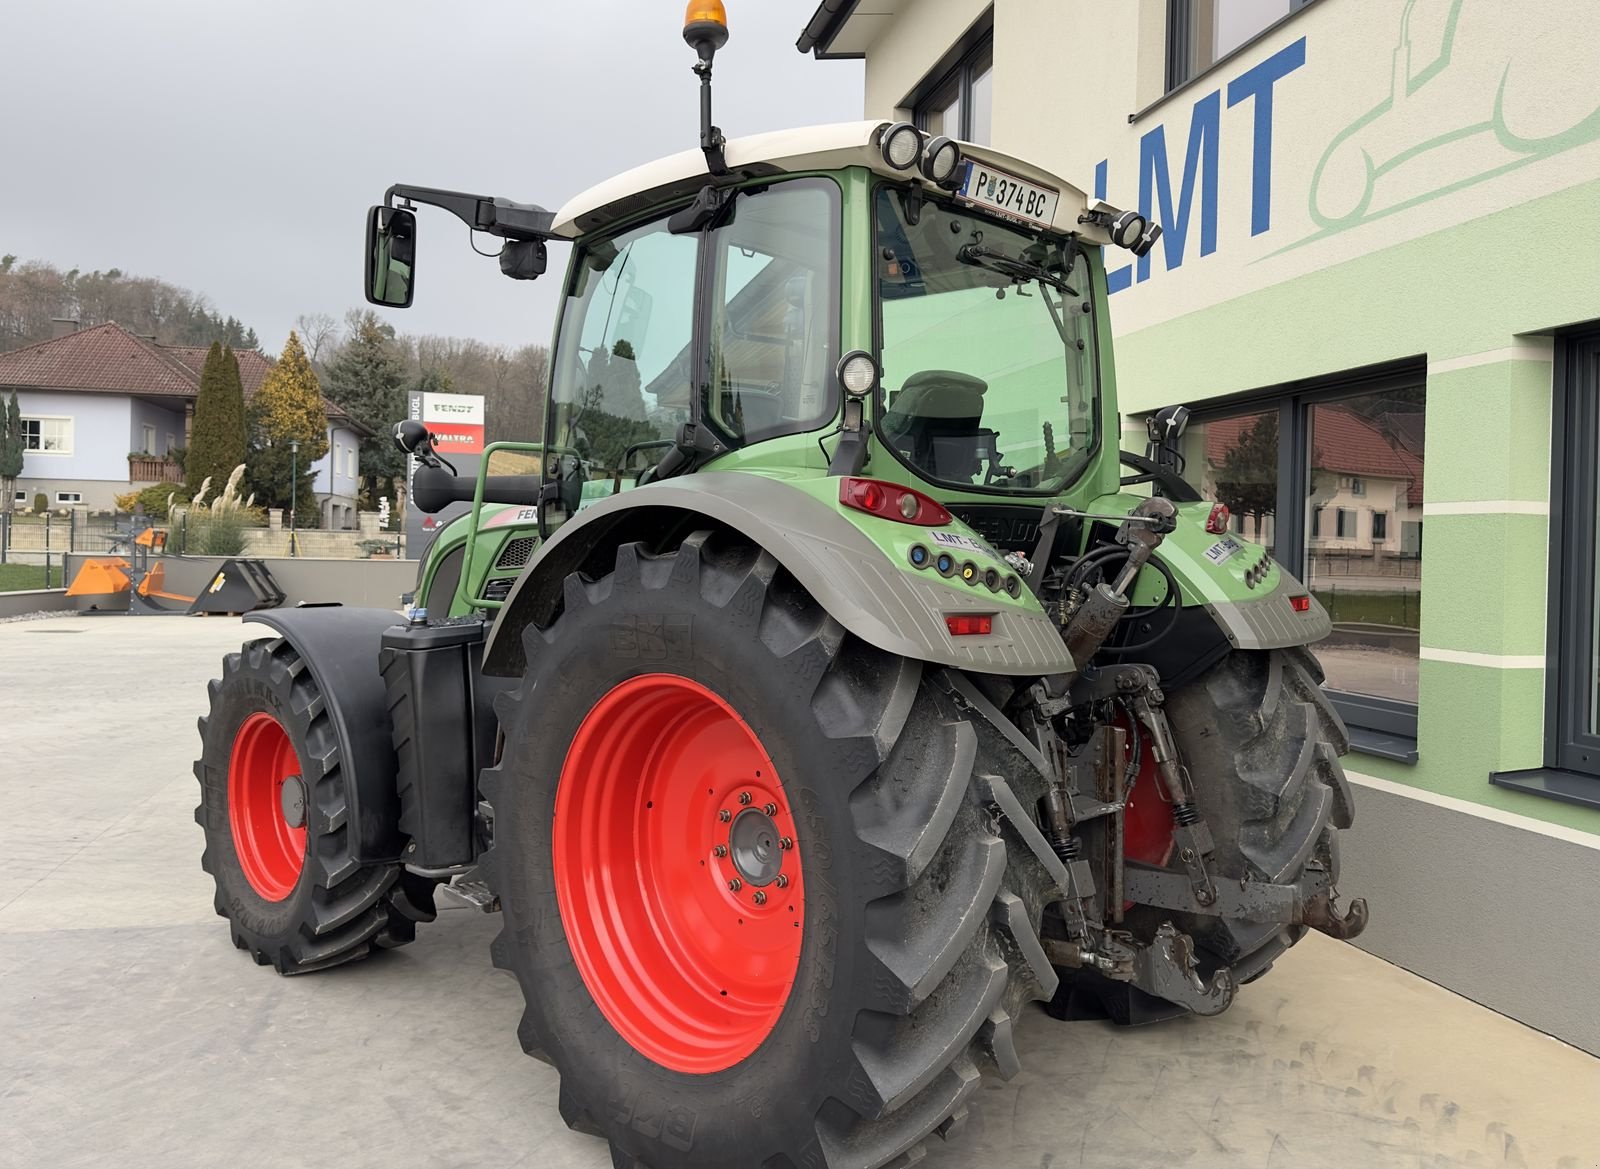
(100,430)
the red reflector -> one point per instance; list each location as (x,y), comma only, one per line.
(891,501)
(1217,521)
(1300,604)
(967,624)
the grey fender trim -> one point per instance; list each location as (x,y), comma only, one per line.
(833,559)
(340,646)
(1270,622)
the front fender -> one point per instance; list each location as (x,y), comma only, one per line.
(848,573)
(340,646)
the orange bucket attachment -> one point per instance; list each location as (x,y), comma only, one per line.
(99,578)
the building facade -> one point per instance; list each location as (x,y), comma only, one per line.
(1379,291)
(103,410)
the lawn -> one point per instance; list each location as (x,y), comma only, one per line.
(1402,610)
(14,578)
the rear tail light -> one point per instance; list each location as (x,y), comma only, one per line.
(969,624)
(890,501)
(1300,604)
(1217,521)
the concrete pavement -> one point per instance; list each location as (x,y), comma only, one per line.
(132,1033)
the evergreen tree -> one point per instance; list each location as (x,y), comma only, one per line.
(367,378)
(218,442)
(288,408)
(11,451)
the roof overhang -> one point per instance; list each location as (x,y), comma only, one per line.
(813,148)
(842,29)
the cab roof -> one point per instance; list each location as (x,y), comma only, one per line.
(812,148)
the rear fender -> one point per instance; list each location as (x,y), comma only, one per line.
(838,563)
(340,647)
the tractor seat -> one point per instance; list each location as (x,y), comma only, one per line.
(935,420)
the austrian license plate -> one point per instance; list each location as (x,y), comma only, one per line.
(1005,194)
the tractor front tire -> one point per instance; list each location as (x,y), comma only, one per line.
(760,912)
(294,896)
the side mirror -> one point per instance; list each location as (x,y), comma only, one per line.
(391,256)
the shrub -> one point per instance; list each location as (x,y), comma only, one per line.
(41,503)
(153,499)
(217,533)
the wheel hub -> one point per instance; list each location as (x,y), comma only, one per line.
(292,800)
(753,844)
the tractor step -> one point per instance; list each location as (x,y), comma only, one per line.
(472,894)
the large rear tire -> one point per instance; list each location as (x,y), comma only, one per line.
(681,681)
(1262,745)
(294,896)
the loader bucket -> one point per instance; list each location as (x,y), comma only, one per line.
(100,585)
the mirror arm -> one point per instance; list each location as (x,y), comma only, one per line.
(502,217)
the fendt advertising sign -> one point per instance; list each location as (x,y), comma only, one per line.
(456,423)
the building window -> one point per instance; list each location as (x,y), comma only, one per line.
(172,442)
(19,498)
(148,445)
(1293,466)
(1202,32)
(1572,681)
(49,436)
(68,497)
(959,101)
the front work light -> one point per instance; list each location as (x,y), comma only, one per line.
(1127,229)
(858,373)
(941,158)
(902,143)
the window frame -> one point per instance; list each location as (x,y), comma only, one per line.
(1575,469)
(77,497)
(68,429)
(1178,71)
(1385,727)
(956,65)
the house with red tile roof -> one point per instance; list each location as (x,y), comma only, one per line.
(102,409)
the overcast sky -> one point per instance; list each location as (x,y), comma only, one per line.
(233,146)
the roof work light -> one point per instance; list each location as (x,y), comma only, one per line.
(705,24)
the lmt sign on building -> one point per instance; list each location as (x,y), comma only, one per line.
(456,423)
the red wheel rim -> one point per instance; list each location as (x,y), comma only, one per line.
(271,853)
(677,873)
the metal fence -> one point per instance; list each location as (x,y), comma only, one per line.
(43,540)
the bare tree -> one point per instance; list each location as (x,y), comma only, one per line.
(317,331)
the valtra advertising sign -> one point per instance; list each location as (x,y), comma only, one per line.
(455,421)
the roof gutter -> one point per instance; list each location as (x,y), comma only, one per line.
(826,24)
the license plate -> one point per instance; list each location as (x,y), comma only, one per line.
(1005,194)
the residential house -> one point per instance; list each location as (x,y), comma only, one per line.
(103,409)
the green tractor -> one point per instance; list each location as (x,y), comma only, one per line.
(826,689)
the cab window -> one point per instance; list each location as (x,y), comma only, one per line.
(774,323)
(623,377)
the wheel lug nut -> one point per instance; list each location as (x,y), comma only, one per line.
(744,798)
(781,881)
(770,809)
(760,898)
(724,815)
(720,850)
(786,842)
(736,884)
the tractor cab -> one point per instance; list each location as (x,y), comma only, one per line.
(832,301)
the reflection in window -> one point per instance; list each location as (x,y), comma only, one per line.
(1239,467)
(1366,461)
